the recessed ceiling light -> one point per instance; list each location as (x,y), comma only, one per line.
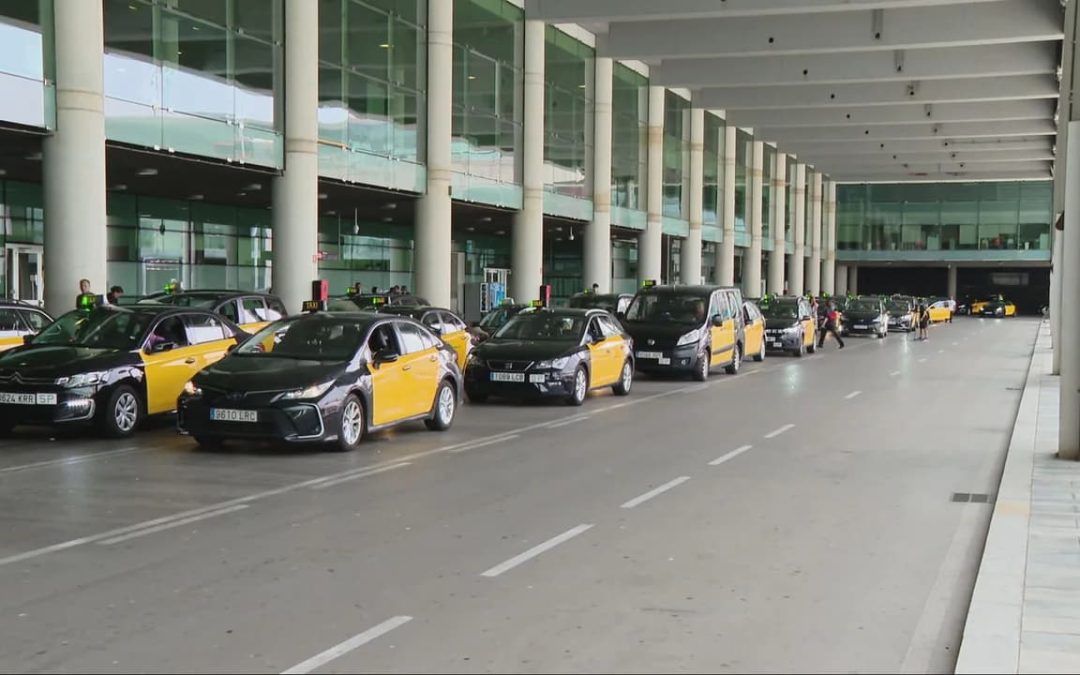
(196,198)
(34,157)
(241,194)
(3,172)
(385,45)
(472,77)
(500,231)
(470,229)
(147,172)
(253,186)
(120,187)
(390,206)
(322,195)
(485,219)
(388,219)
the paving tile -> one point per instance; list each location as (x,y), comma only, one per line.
(1049,653)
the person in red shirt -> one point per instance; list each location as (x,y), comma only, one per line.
(832,318)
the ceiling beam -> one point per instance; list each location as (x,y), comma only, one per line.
(1013,87)
(1005,22)
(886,132)
(923,64)
(965,145)
(935,175)
(576,11)
(901,158)
(898,114)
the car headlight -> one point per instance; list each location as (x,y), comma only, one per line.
(690,338)
(190,389)
(877,320)
(82,379)
(314,391)
(553,364)
(475,361)
(791,330)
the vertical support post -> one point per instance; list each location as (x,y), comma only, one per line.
(527,254)
(691,248)
(650,242)
(778,213)
(798,253)
(597,263)
(725,264)
(752,259)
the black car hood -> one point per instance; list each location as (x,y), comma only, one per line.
(781,324)
(661,332)
(862,316)
(267,373)
(524,350)
(49,361)
(900,313)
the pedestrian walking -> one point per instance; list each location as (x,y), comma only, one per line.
(830,325)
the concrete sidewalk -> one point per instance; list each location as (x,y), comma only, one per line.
(1025,610)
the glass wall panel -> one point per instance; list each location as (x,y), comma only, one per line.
(629,138)
(742,157)
(26,63)
(568,115)
(676,154)
(712,199)
(195,76)
(768,169)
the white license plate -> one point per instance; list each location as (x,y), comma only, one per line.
(778,345)
(537,379)
(650,355)
(508,377)
(226,415)
(664,362)
(860,327)
(27,399)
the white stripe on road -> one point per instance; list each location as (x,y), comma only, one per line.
(535,551)
(484,444)
(364,473)
(853,394)
(172,524)
(894,373)
(637,501)
(941,351)
(922,360)
(77,459)
(731,455)
(776,432)
(347,646)
(568,422)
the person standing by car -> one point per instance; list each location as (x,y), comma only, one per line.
(830,325)
(924,322)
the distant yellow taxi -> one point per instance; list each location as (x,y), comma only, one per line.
(19,320)
(442,322)
(753,331)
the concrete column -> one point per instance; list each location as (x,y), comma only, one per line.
(725,252)
(828,268)
(597,263)
(752,259)
(434,247)
(951,290)
(853,280)
(650,242)
(798,253)
(1069,434)
(778,208)
(296,191)
(691,248)
(1055,299)
(527,261)
(841,280)
(74,161)
(813,266)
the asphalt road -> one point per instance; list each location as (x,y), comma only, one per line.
(798,516)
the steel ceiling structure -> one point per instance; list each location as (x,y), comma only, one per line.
(864,90)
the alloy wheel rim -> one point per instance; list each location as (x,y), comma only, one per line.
(126,411)
(579,385)
(351,422)
(446,405)
(627,377)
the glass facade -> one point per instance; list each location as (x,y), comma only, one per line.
(26,68)
(372,80)
(742,159)
(22,225)
(195,76)
(568,141)
(487,103)
(768,170)
(629,140)
(1014,216)
(676,154)
(712,180)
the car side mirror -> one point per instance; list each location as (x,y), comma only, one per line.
(162,347)
(385,356)
(717,320)
(231,348)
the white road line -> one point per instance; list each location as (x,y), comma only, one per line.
(535,551)
(776,432)
(694,388)
(19,557)
(360,474)
(569,421)
(78,459)
(172,524)
(484,444)
(347,646)
(922,360)
(941,351)
(853,394)
(894,373)
(641,499)
(731,455)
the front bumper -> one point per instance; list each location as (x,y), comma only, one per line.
(900,323)
(51,405)
(864,328)
(777,341)
(291,422)
(678,360)
(535,383)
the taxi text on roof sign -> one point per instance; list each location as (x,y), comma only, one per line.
(648,283)
(86,301)
(312,306)
(539,304)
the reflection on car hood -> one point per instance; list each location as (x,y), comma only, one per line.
(267,373)
(524,350)
(862,316)
(659,331)
(59,360)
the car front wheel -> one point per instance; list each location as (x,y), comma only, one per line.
(352,425)
(626,380)
(122,412)
(736,361)
(445,408)
(580,387)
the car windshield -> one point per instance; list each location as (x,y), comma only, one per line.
(319,337)
(496,318)
(780,311)
(187,300)
(99,329)
(898,307)
(590,301)
(864,306)
(543,326)
(676,307)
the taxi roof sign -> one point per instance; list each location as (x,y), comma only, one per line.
(86,301)
(539,304)
(312,306)
(648,283)
(378,300)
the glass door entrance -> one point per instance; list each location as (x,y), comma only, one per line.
(24,274)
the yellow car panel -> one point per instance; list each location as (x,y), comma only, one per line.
(461,342)
(254,327)
(167,373)
(979,305)
(607,358)
(754,334)
(10,340)
(421,370)
(389,392)
(723,342)
(939,314)
(809,332)
(1010,309)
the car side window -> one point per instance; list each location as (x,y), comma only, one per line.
(608,327)
(412,339)
(203,328)
(430,339)
(275,309)
(228,310)
(252,310)
(594,331)
(9,321)
(35,320)
(452,323)
(170,329)
(384,338)
(433,320)
(717,307)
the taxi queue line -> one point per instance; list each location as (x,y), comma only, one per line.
(336,376)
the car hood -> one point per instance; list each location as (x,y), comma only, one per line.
(900,313)
(524,350)
(267,373)
(49,361)
(642,331)
(862,316)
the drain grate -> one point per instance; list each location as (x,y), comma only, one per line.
(972,497)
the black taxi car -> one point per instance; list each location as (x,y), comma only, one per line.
(110,365)
(19,320)
(616,303)
(324,376)
(686,329)
(250,311)
(552,352)
(866,316)
(495,319)
(790,325)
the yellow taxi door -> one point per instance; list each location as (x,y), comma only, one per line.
(723,336)
(389,386)
(601,355)
(197,344)
(453,332)
(755,335)
(11,329)
(616,348)
(420,366)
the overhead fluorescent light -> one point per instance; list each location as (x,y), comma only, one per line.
(147,172)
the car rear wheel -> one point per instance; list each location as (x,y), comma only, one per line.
(445,408)
(702,366)
(122,413)
(580,387)
(626,380)
(760,356)
(736,361)
(352,425)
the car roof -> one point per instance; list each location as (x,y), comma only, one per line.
(21,304)
(411,310)
(699,289)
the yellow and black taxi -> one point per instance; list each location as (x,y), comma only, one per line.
(18,320)
(902,314)
(1000,308)
(789,325)
(324,377)
(616,303)
(866,316)
(111,366)
(495,319)
(940,310)
(444,323)
(754,330)
(552,353)
(686,329)
(374,302)
(250,311)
